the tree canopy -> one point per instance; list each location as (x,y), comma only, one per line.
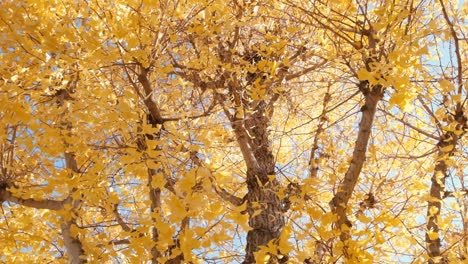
(243,131)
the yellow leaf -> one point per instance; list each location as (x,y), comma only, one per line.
(114,198)
(127,159)
(293,30)
(187,182)
(433,235)
(240,217)
(284,246)
(379,238)
(214,211)
(422,51)
(433,25)
(158,181)
(257,212)
(273,68)
(447,148)
(220,237)
(203,172)
(433,210)
(401,100)
(261,256)
(456,98)
(165,231)
(176,209)
(328,218)
(363,74)
(262,64)
(363,218)
(446,86)
(74,230)
(153,165)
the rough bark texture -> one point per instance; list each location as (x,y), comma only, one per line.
(250,122)
(437,187)
(339,203)
(434,204)
(155,198)
(263,204)
(449,138)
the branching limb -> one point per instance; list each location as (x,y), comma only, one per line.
(6,195)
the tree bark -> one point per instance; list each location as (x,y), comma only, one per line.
(72,244)
(155,119)
(339,203)
(313,162)
(433,245)
(155,198)
(434,204)
(449,138)
(263,204)
(6,195)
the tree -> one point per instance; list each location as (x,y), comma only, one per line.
(232,131)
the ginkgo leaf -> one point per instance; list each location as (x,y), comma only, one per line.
(364,218)
(158,181)
(446,86)
(433,235)
(136,129)
(365,75)
(447,148)
(262,65)
(433,210)
(203,172)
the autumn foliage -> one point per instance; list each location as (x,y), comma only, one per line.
(262,131)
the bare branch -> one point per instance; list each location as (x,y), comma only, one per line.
(427,134)
(305,71)
(457,52)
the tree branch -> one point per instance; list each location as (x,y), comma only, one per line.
(305,71)
(411,126)
(153,108)
(6,195)
(457,51)
(73,245)
(234,200)
(119,219)
(339,203)
(313,166)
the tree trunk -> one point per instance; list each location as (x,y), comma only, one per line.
(155,119)
(155,198)
(339,203)
(72,244)
(263,204)
(434,204)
